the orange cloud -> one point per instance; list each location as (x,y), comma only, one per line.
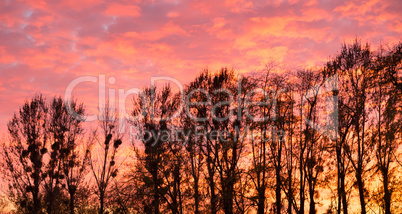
(172,14)
(123,10)
(46,44)
(168,29)
(80,5)
(238,6)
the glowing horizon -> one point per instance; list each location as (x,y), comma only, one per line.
(45,44)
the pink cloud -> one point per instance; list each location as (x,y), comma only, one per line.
(123,10)
(46,44)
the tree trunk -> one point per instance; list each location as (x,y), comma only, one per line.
(301,211)
(50,204)
(179,194)
(213,196)
(261,200)
(290,193)
(196,196)
(156,194)
(387,193)
(339,194)
(278,188)
(312,202)
(342,200)
(211,180)
(361,192)
(228,197)
(343,195)
(71,204)
(101,198)
(36,203)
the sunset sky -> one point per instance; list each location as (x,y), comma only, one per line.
(44,45)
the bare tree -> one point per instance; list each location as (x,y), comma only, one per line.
(74,154)
(104,166)
(312,144)
(259,172)
(199,116)
(24,163)
(387,108)
(61,171)
(343,122)
(355,62)
(162,158)
(211,103)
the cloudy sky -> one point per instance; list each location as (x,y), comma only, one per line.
(46,44)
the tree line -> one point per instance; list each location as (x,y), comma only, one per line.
(314,140)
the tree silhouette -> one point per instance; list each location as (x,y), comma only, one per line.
(24,156)
(104,166)
(387,108)
(262,142)
(67,133)
(43,139)
(162,159)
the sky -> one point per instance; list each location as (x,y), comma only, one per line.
(47,44)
